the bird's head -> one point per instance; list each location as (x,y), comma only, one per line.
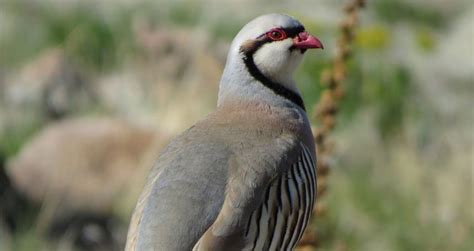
(269,48)
(277,43)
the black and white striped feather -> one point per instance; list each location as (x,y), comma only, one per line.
(279,222)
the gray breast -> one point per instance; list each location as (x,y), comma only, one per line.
(279,222)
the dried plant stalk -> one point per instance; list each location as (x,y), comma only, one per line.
(326,110)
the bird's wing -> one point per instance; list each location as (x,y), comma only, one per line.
(183,194)
(266,215)
(218,189)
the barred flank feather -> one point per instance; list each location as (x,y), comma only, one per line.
(279,222)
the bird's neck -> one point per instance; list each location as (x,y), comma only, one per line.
(241,83)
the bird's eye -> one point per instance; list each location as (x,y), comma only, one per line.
(276,34)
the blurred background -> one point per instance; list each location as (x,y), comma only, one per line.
(91,90)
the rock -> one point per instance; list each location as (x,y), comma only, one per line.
(84,165)
(86,174)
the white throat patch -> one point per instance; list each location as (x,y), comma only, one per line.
(277,62)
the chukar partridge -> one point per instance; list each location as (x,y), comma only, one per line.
(244,177)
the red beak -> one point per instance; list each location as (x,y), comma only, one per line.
(306,41)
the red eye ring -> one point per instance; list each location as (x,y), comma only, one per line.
(276,34)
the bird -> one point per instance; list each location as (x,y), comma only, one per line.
(243,177)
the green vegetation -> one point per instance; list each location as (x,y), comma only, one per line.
(14,137)
(406,11)
(88,38)
(374,38)
(370,210)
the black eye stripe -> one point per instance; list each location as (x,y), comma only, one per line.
(294,31)
(263,39)
(290,32)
